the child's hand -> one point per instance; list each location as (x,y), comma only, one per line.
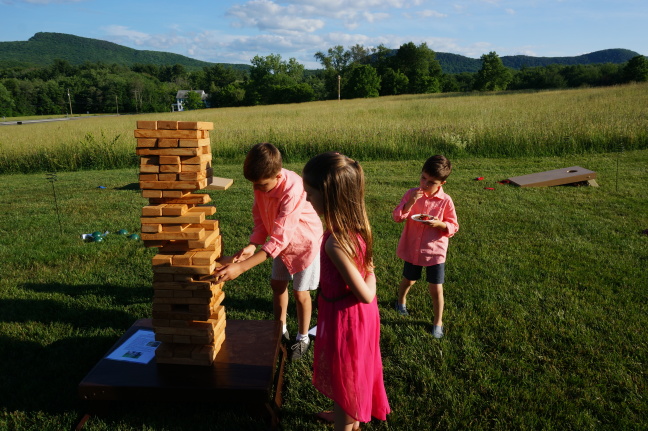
(245,253)
(413,198)
(228,272)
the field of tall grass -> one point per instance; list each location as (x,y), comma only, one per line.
(547,123)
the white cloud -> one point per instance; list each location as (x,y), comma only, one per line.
(510,11)
(427,13)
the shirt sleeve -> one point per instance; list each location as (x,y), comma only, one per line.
(399,214)
(286,224)
(450,219)
(259,232)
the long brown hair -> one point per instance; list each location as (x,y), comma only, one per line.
(341,182)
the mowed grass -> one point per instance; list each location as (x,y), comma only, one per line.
(546,300)
(509,124)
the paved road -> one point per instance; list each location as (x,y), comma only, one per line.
(46,120)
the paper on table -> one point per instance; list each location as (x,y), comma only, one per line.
(140,347)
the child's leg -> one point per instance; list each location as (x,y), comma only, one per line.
(403,290)
(343,422)
(304,307)
(436,292)
(279,299)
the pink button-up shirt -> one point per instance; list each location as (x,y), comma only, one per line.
(420,244)
(284,215)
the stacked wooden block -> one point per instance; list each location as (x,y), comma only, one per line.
(175,161)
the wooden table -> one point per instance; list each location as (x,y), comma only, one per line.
(248,370)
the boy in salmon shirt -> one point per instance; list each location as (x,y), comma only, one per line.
(424,241)
(288,230)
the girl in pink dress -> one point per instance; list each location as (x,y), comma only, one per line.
(347,365)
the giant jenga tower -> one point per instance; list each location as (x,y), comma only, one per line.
(175,161)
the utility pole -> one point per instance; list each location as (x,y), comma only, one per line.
(339,87)
(70,100)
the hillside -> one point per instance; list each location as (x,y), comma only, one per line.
(43,48)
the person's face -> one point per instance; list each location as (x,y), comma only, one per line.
(266,184)
(429,184)
(314,196)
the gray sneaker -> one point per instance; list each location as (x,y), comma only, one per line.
(299,349)
(401,309)
(437,331)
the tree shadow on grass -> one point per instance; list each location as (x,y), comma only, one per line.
(122,295)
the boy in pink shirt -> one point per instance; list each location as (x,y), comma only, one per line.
(430,220)
(288,230)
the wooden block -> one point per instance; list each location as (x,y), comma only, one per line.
(152,194)
(173,210)
(151,228)
(150,125)
(195,217)
(207,269)
(146,142)
(189,176)
(196,160)
(162,278)
(205,166)
(195,125)
(162,293)
(189,234)
(174,194)
(178,285)
(168,177)
(208,210)
(187,152)
(160,322)
(170,134)
(211,237)
(216,183)
(169,160)
(152,210)
(167,125)
(173,185)
(194,143)
(148,177)
(210,224)
(204,257)
(177,227)
(167,143)
(150,169)
(205,150)
(170,168)
(184,259)
(189,199)
(162,260)
(554,177)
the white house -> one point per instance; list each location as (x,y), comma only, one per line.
(181,99)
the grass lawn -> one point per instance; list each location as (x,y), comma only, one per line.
(546,300)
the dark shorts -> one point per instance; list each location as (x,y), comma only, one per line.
(434,274)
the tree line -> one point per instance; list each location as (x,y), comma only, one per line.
(356,72)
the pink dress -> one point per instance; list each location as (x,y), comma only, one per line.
(347,365)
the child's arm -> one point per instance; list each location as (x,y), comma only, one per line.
(363,288)
(401,212)
(233,270)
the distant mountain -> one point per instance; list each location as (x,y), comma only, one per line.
(43,48)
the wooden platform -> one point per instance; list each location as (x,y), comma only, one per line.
(248,370)
(555,177)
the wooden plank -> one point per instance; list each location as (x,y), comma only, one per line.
(191,198)
(186,152)
(174,210)
(572,174)
(196,159)
(195,125)
(146,142)
(151,125)
(172,134)
(168,125)
(189,234)
(173,185)
(216,183)
(152,210)
(167,143)
(194,143)
(169,160)
(150,169)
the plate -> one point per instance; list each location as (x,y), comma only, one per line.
(417,217)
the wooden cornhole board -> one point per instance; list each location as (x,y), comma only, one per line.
(556,177)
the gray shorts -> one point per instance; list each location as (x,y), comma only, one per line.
(434,274)
(303,281)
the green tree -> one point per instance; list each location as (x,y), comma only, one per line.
(7,104)
(636,69)
(363,81)
(194,101)
(420,66)
(393,82)
(493,75)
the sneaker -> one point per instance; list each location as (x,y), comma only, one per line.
(401,309)
(437,331)
(299,349)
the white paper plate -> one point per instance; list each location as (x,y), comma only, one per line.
(416,217)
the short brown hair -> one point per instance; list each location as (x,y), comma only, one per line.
(438,167)
(262,161)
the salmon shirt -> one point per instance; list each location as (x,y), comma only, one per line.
(420,244)
(285,216)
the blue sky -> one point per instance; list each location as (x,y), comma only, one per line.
(235,31)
